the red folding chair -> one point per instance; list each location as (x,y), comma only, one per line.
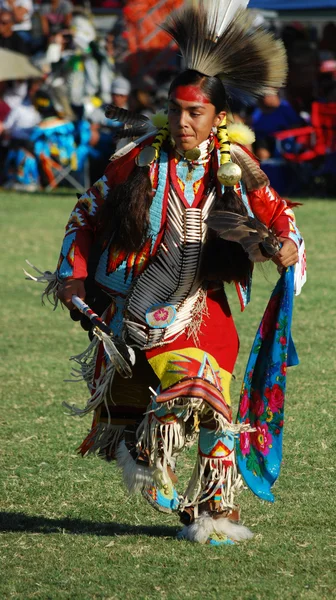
(306,143)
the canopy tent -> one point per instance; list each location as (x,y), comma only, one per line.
(16,66)
(293,4)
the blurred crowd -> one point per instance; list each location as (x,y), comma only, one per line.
(58,116)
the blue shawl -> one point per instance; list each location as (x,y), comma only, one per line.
(259,454)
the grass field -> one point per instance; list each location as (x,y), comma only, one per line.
(68,528)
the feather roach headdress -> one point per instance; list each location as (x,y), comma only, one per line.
(217,38)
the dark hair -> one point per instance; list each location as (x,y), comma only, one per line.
(212,87)
(44,103)
(124,217)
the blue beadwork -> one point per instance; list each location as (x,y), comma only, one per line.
(116,281)
(189,178)
(65,269)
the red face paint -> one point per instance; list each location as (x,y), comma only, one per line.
(190,93)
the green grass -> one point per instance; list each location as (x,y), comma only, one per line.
(69,529)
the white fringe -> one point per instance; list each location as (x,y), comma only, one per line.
(50,279)
(106,437)
(101,394)
(200,530)
(225,480)
(136,477)
(87,363)
(200,310)
(191,405)
(172,436)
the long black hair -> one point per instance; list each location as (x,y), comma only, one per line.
(124,217)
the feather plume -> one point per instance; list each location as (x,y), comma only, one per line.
(240,133)
(249,60)
(125,116)
(255,238)
(159,119)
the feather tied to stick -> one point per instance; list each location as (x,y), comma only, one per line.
(257,240)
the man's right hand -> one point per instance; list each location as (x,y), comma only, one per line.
(69,288)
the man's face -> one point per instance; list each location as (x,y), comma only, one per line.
(120,100)
(5,25)
(191,117)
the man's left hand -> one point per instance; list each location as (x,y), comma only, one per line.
(287,255)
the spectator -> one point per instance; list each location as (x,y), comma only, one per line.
(120,91)
(70,62)
(19,165)
(22,11)
(103,129)
(4,112)
(15,93)
(328,40)
(303,69)
(119,96)
(56,16)
(23,118)
(10,39)
(271,115)
(107,67)
(4,107)
(142,96)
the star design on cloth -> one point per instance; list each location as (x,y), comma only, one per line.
(76,220)
(102,186)
(88,203)
(191,367)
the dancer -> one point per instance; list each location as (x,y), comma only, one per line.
(139,251)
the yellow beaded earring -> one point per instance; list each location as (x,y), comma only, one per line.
(229,173)
(151,153)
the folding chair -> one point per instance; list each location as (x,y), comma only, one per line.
(59,153)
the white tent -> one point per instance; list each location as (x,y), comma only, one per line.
(16,66)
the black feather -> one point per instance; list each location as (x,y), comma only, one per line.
(125,116)
(257,240)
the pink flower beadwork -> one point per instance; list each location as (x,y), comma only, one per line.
(161,314)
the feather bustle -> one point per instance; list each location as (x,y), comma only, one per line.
(256,239)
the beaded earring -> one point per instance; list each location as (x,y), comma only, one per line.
(229,173)
(151,153)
